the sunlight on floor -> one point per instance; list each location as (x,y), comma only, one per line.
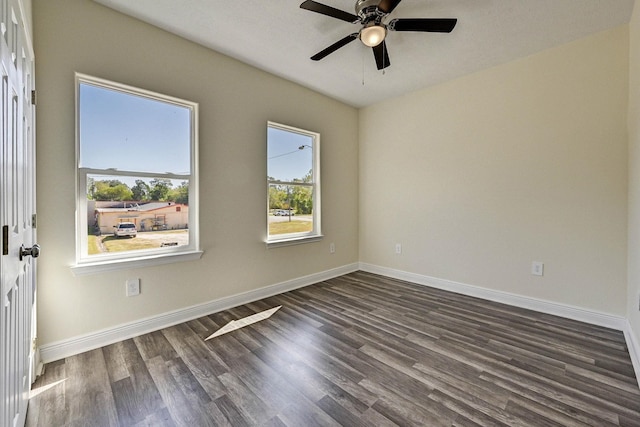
(246,321)
(44,388)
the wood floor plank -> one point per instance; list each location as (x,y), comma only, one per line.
(187,382)
(124,395)
(576,408)
(195,354)
(526,414)
(357,350)
(155,344)
(89,401)
(305,413)
(487,392)
(144,397)
(371,417)
(253,409)
(468,415)
(339,413)
(162,418)
(629,422)
(549,413)
(116,366)
(264,381)
(178,405)
(602,379)
(314,385)
(313,351)
(231,411)
(402,411)
(273,422)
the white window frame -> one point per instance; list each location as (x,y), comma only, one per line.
(316,233)
(89,264)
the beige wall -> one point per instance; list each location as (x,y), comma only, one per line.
(634,175)
(236,101)
(478,177)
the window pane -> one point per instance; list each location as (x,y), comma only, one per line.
(156,208)
(128,132)
(290,156)
(290,209)
(136,173)
(293,174)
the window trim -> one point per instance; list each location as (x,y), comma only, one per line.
(316,233)
(88,264)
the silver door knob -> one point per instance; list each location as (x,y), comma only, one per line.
(33,251)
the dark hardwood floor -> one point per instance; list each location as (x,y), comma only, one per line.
(357,350)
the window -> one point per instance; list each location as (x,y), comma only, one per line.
(136,158)
(293,182)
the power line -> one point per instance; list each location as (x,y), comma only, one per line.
(302,147)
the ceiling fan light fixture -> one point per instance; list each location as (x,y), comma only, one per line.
(373,35)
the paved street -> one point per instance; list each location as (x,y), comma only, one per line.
(273,218)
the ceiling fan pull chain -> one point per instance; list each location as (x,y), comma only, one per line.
(362,67)
(384,68)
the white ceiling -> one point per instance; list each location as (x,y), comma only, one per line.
(279,37)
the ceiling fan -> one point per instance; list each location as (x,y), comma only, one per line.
(370,14)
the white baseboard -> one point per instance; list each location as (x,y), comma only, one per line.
(634,349)
(570,312)
(548,307)
(69,347)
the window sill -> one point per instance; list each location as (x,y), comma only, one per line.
(294,241)
(86,268)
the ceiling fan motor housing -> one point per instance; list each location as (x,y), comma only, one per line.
(368,11)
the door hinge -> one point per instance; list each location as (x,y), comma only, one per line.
(5,240)
(34,344)
(34,97)
(34,219)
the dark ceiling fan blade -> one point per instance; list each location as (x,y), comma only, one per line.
(337,45)
(430,25)
(387,6)
(329,11)
(382,55)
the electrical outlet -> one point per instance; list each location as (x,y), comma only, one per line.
(398,248)
(537,268)
(332,248)
(133,287)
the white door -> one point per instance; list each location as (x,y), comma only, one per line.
(17,208)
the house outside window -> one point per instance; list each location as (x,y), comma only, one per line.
(293,185)
(136,163)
